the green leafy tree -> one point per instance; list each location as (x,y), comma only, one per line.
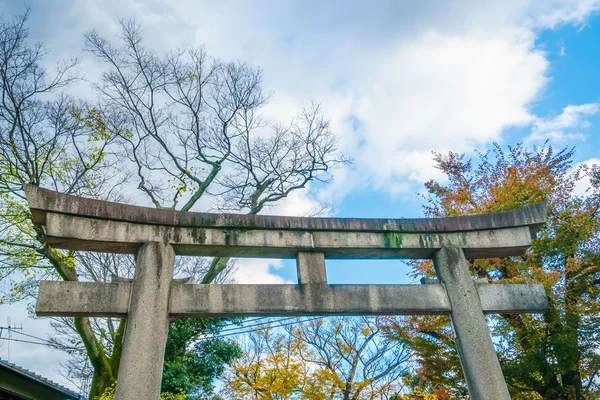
(549,356)
(192,363)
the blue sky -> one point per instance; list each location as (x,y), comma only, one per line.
(396,80)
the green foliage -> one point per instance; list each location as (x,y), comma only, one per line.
(192,363)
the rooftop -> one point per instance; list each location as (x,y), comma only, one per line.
(25,373)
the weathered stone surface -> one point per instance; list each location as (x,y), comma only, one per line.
(512,298)
(82,299)
(117,279)
(311,267)
(81,233)
(42,201)
(140,371)
(98,299)
(310,299)
(477,354)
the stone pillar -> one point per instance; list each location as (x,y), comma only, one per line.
(477,354)
(140,372)
(311,267)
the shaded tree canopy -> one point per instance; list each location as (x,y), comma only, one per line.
(192,363)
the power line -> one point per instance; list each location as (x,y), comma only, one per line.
(25,334)
(242,328)
(48,344)
(244,320)
(44,342)
(231,332)
(253,319)
(258,324)
(30,342)
(258,329)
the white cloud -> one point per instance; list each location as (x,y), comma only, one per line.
(298,204)
(445,93)
(566,126)
(441,76)
(562,49)
(553,13)
(258,271)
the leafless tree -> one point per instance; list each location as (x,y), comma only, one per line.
(43,137)
(194,128)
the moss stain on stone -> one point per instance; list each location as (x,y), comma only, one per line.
(462,239)
(425,241)
(199,235)
(392,240)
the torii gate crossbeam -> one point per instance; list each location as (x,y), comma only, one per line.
(155,236)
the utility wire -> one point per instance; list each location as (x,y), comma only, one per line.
(43,341)
(56,346)
(240,331)
(29,341)
(258,329)
(254,319)
(31,336)
(244,320)
(257,324)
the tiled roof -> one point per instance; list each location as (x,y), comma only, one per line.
(38,378)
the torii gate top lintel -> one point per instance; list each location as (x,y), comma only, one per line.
(157,235)
(43,201)
(190,232)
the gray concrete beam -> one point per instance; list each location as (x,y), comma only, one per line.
(80,233)
(512,298)
(111,299)
(82,299)
(312,299)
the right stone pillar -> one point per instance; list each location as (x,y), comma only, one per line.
(477,354)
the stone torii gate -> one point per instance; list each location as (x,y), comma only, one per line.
(155,236)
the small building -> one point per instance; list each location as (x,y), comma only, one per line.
(17,383)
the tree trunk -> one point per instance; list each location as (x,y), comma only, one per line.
(105,370)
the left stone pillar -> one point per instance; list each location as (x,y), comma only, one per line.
(140,372)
